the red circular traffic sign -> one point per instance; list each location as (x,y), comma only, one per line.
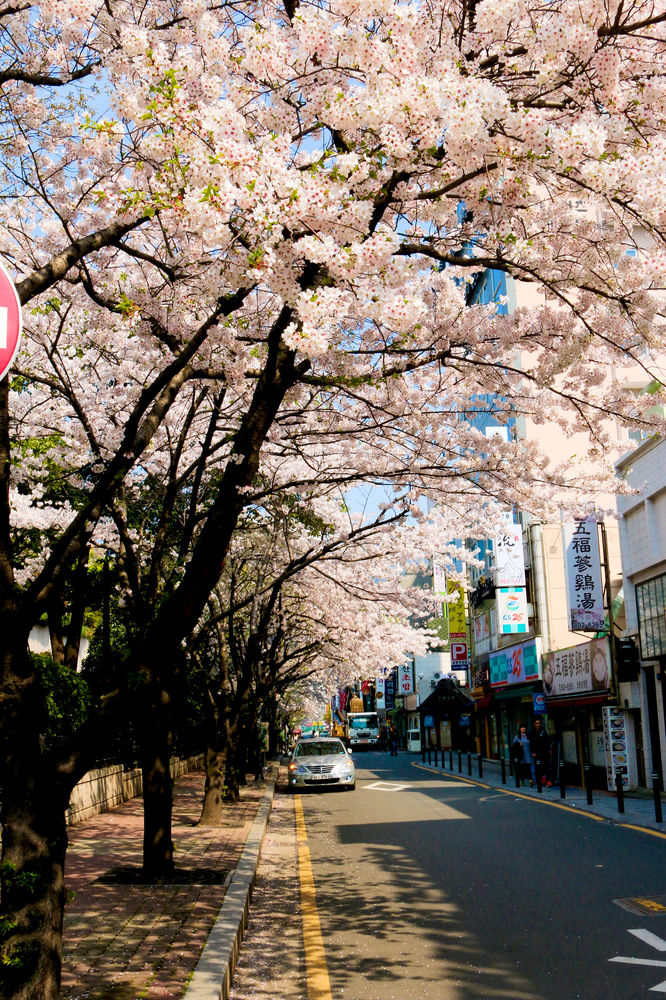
(10,322)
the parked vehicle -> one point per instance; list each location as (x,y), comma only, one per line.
(320,763)
(414,740)
(362,730)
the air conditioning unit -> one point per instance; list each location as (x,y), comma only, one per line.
(437,675)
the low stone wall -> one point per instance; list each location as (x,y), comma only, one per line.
(104,788)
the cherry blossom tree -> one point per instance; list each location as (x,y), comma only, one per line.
(282,207)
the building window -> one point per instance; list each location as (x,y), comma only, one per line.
(651,606)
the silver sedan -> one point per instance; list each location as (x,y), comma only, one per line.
(320,763)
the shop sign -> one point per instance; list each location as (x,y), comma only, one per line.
(428,721)
(514,664)
(578,669)
(617,746)
(459,656)
(512,609)
(456,610)
(438,580)
(405,682)
(380,692)
(389,688)
(509,559)
(583,573)
(481,628)
(481,678)
(539,704)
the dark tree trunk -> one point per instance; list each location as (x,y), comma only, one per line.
(215,791)
(158,861)
(34,841)
(34,838)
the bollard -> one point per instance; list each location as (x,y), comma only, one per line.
(563,790)
(469,763)
(503,766)
(539,776)
(480,766)
(588,783)
(460,762)
(429,752)
(656,791)
(451,758)
(435,756)
(620,793)
(516,773)
(423,755)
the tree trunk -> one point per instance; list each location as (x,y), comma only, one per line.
(215,791)
(34,841)
(158,861)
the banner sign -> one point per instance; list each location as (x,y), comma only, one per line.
(405,679)
(512,609)
(617,746)
(578,669)
(438,580)
(389,689)
(514,665)
(583,572)
(481,627)
(380,695)
(509,560)
(456,609)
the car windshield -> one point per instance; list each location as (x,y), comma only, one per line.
(319,748)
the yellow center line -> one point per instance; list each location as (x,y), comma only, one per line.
(319,987)
(522,795)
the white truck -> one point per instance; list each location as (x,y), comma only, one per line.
(362,730)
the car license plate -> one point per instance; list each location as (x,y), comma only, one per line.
(319,777)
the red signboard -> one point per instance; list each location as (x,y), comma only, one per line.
(458,652)
(10,322)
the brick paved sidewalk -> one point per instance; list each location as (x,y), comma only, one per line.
(131,941)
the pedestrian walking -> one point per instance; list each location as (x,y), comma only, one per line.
(521,754)
(540,751)
(393,741)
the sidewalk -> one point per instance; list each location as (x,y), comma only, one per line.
(124,940)
(639,807)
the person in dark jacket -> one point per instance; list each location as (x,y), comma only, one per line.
(540,750)
(521,753)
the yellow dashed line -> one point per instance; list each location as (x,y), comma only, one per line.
(319,987)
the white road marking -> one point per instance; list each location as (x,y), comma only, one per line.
(650,939)
(386,786)
(655,942)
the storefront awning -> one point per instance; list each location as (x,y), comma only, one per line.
(586,699)
(482,703)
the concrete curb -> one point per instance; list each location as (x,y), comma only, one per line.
(211,979)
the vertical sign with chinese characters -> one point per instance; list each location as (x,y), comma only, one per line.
(438,580)
(583,571)
(380,693)
(509,559)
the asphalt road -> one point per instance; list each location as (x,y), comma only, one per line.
(428,887)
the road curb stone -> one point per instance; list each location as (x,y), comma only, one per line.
(212,976)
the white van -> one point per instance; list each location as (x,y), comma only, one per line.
(414,740)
